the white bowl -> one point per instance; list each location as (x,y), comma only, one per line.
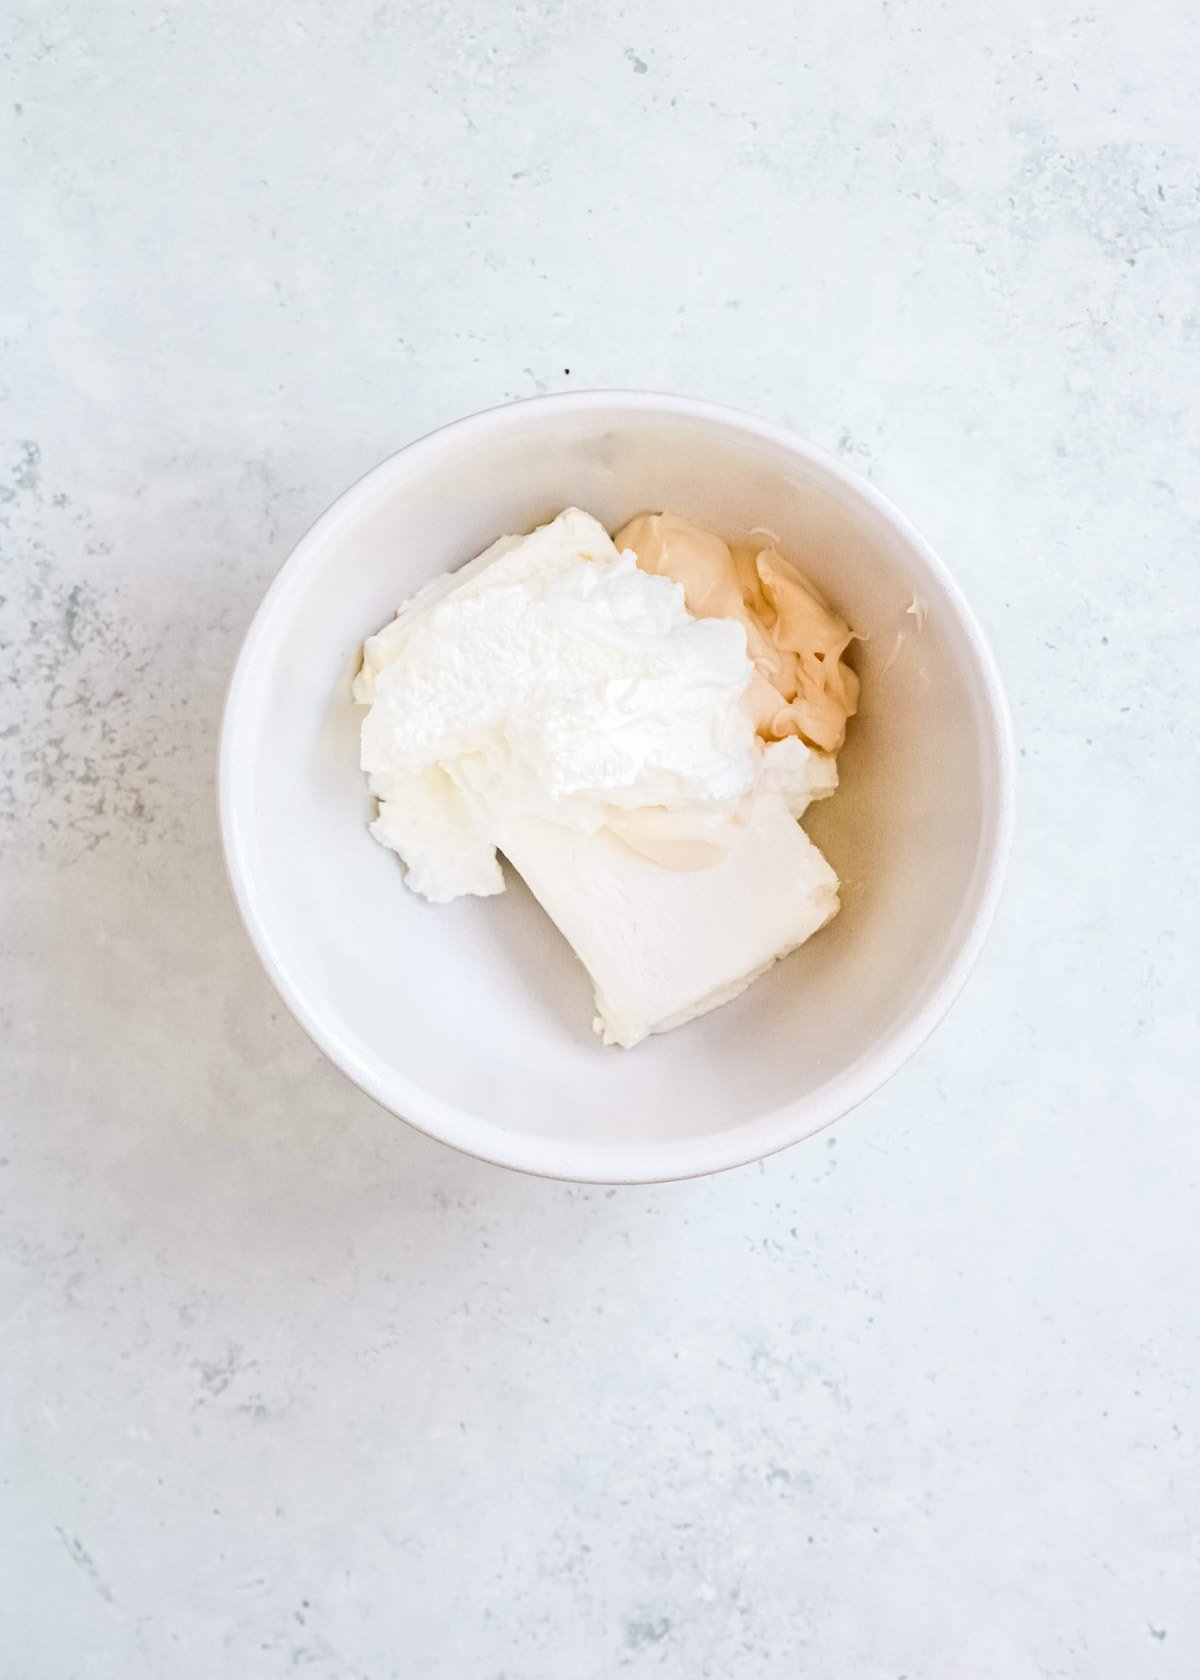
(473,1020)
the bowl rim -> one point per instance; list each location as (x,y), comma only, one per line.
(626,1163)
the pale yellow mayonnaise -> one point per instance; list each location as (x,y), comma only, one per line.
(801,684)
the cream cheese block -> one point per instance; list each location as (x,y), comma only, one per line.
(663,946)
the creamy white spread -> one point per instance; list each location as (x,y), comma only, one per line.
(553,677)
(619,722)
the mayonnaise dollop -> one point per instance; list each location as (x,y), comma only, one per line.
(802,687)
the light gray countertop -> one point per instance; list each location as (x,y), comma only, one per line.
(293,1389)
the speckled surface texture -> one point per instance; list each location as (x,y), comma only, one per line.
(292,1389)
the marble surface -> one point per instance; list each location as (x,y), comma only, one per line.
(291,1389)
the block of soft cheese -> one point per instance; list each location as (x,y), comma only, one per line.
(663,946)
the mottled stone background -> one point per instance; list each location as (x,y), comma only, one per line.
(292,1389)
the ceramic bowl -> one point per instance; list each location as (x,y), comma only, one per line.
(472,1020)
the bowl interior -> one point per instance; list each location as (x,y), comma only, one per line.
(473,1019)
